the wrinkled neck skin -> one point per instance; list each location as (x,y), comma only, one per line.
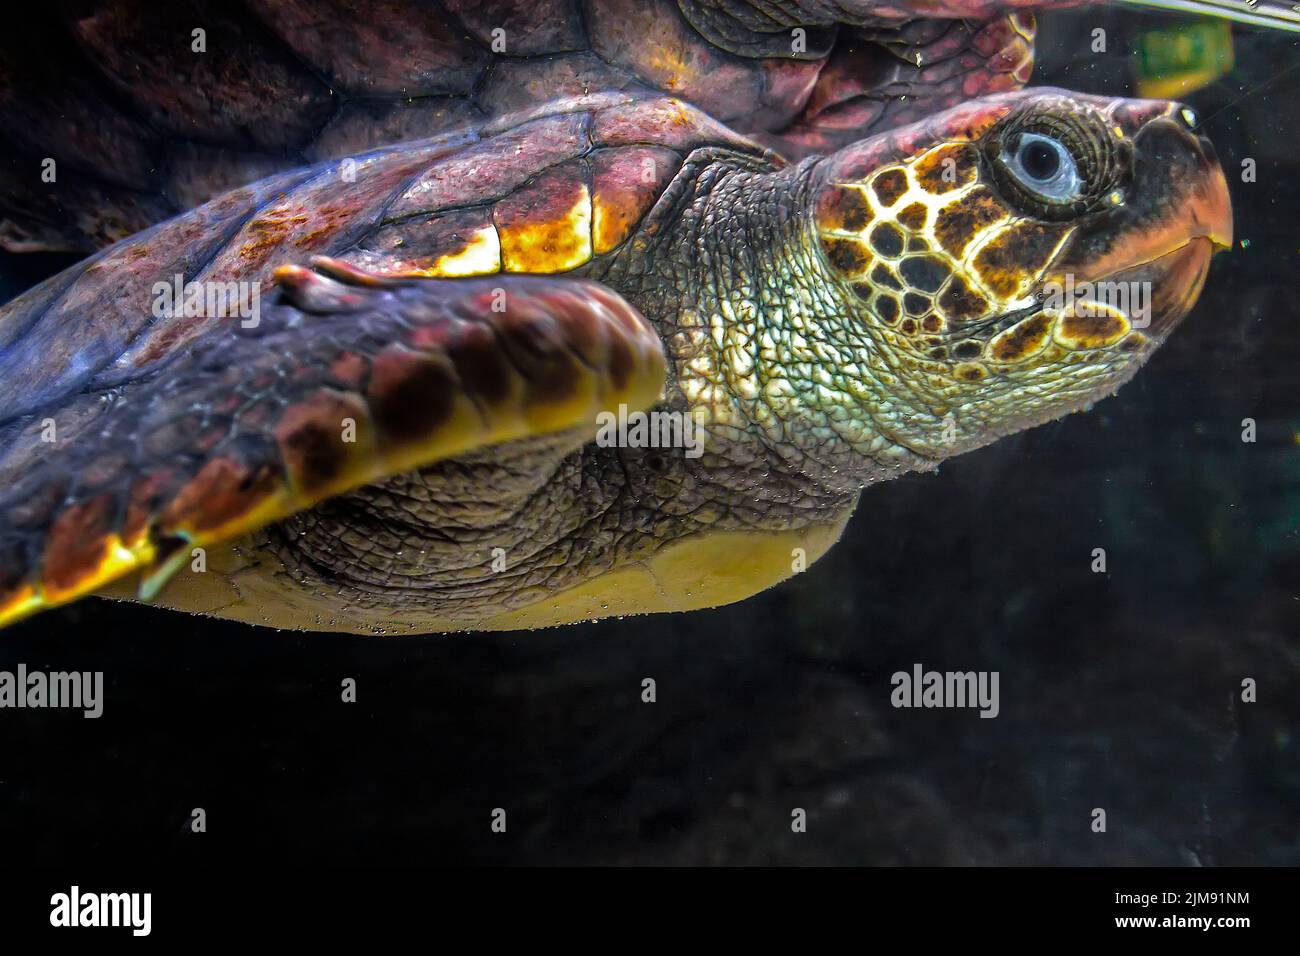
(761,337)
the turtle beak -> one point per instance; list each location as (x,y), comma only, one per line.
(1209,207)
(1175,217)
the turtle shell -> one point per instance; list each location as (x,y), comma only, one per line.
(539,192)
(149,110)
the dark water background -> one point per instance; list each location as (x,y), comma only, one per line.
(1118,691)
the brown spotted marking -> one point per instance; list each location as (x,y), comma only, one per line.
(847,256)
(887,240)
(1010,262)
(485,372)
(939,250)
(889,185)
(411,395)
(1090,325)
(843,209)
(946,168)
(916,304)
(1022,340)
(965,219)
(887,308)
(862,233)
(924,273)
(884,277)
(960,303)
(914,217)
(310,438)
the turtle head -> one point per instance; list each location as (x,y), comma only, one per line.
(1016,258)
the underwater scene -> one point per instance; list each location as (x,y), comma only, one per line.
(672,432)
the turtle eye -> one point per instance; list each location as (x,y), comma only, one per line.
(1044,167)
(1057,160)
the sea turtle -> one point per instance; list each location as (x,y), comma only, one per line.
(426,416)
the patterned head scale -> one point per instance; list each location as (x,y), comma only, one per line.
(1017,257)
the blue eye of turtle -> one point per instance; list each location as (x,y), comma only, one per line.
(1044,167)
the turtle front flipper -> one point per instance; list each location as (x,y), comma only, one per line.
(334,386)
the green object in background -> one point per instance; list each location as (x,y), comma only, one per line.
(1171,63)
